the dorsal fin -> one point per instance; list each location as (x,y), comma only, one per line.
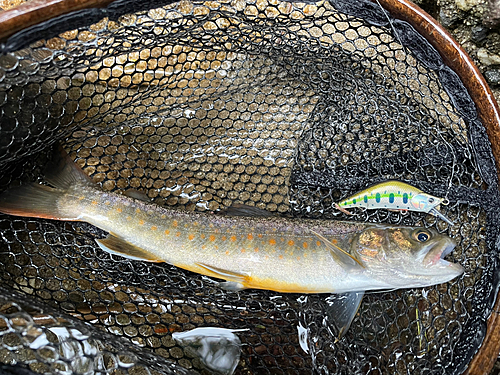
(136,194)
(238,209)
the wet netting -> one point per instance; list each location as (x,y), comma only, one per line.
(285,106)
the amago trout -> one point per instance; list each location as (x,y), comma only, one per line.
(279,254)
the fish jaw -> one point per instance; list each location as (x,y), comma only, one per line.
(434,264)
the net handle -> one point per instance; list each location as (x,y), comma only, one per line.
(37,11)
(457,59)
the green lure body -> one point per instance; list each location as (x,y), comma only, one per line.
(395,195)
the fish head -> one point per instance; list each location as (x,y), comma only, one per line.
(406,257)
(425,202)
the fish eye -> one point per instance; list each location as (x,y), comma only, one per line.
(422,236)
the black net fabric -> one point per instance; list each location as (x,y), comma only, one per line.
(285,106)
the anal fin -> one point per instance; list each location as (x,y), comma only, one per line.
(342,309)
(117,246)
(232,286)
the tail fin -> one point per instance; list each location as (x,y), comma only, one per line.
(42,201)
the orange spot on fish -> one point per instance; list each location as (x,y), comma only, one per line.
(318,243)
(175,223)
(94,203)
(259,235)
(107,203)
(212,238)
(154,227)
(163,216)
(224,238)
(203,247)
(118,209)
(137,210)
(191,237)
(298,258)
(250,237)
(129,218)
(216,247)
(266,257)
(178,234)
(233,238)
(141,222)
(256,249)
(243,250)
(81,198)
(281,256)
(334,241)
(272,241)
(305,245)
(195,223)
(291,243)
(167,232)
(202,236)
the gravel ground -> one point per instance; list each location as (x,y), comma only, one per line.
(475,24)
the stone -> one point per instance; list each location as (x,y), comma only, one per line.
(479,33)
(487,58)
(492,76)
(467,5)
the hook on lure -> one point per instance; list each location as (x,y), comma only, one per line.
(397,196)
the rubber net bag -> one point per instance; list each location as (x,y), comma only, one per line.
(286,106)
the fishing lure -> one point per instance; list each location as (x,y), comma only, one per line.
(395,195)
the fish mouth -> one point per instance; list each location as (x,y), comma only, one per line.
(434,259)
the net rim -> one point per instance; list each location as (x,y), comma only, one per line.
(487,108)
(37,11)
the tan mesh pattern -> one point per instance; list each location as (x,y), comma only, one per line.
(285,106)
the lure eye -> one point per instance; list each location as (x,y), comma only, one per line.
(431,200)
(422,236)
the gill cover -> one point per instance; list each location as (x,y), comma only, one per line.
(406,257)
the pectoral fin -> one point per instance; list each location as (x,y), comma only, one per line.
(235,280)
(342,309)
(341,256)
(118,246)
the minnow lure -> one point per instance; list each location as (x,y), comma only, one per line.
(395,195)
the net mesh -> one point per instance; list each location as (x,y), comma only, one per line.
(285,106)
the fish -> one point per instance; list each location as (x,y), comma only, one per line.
(218,349)
(395,195)
(274,253)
